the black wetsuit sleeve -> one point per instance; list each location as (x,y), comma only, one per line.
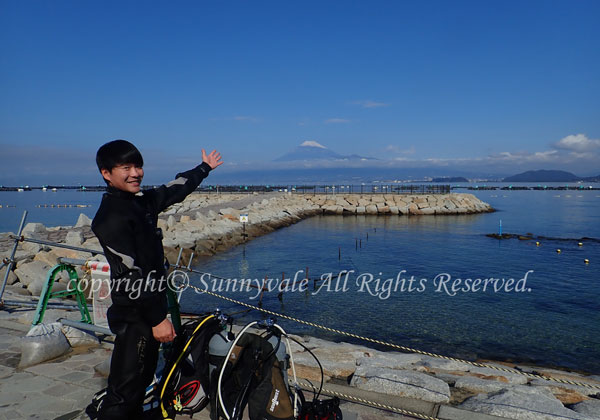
(176,190)
(128,282)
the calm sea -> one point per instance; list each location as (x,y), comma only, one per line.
(552,318)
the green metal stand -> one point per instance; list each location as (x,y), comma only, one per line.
(174,309)
(73,289)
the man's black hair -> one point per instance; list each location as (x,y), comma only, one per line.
(118,152)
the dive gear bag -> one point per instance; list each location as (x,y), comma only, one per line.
(253,375)
(185,385)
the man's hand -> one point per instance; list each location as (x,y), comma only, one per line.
(164,332)
(213,160)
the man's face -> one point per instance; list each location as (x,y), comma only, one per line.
(126,177)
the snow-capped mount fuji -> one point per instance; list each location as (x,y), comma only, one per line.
(311,151)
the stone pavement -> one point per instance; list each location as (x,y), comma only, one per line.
(59,389)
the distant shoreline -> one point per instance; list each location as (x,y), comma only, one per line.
(403,187)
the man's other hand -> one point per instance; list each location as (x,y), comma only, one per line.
(164,332)
(213,160)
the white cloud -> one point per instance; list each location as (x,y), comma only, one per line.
(392,148)
(577,143)
(370,104)
(522,157)
(337,121)
(312,143)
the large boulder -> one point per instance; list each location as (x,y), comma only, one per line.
(477,385)
(12,277)
(47,257)
(171,222)
(29,272)
(162,224)
(83,220)
(36,286)
(230,211)
(74,238)
(17,289)
(391,360)
(499,375)
(371,209)
(404,383)
(92,243)
(523,403)
(590,408)
(34,230)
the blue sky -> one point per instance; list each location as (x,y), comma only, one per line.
(496,85)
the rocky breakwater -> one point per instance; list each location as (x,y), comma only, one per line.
(211,229)
(428,204)
(209,223)
(33,262)
(204,224)
(485,390)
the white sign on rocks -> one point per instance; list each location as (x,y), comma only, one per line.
(244,218)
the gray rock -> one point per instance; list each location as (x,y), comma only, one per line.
(171,222)
(449,378)
(390,360)
(231,211)
(521,403)
(36,286)
(371,209)
(437,363)
(34,230)
(92,243)
(477,385)
(162,223)
(18,289)
(12,277)
(402,383)
(590,408)
(557,386)
(47,257)
(74,238)
(31,247)
(511,378)
(31,271)
(83,220)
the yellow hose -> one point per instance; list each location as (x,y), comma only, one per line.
(162,392)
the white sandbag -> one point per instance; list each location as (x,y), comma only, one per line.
(43,342)
(77,337)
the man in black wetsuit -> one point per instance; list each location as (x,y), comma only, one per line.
(126,226)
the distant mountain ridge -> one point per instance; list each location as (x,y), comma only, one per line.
(543,175)
(312,150)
